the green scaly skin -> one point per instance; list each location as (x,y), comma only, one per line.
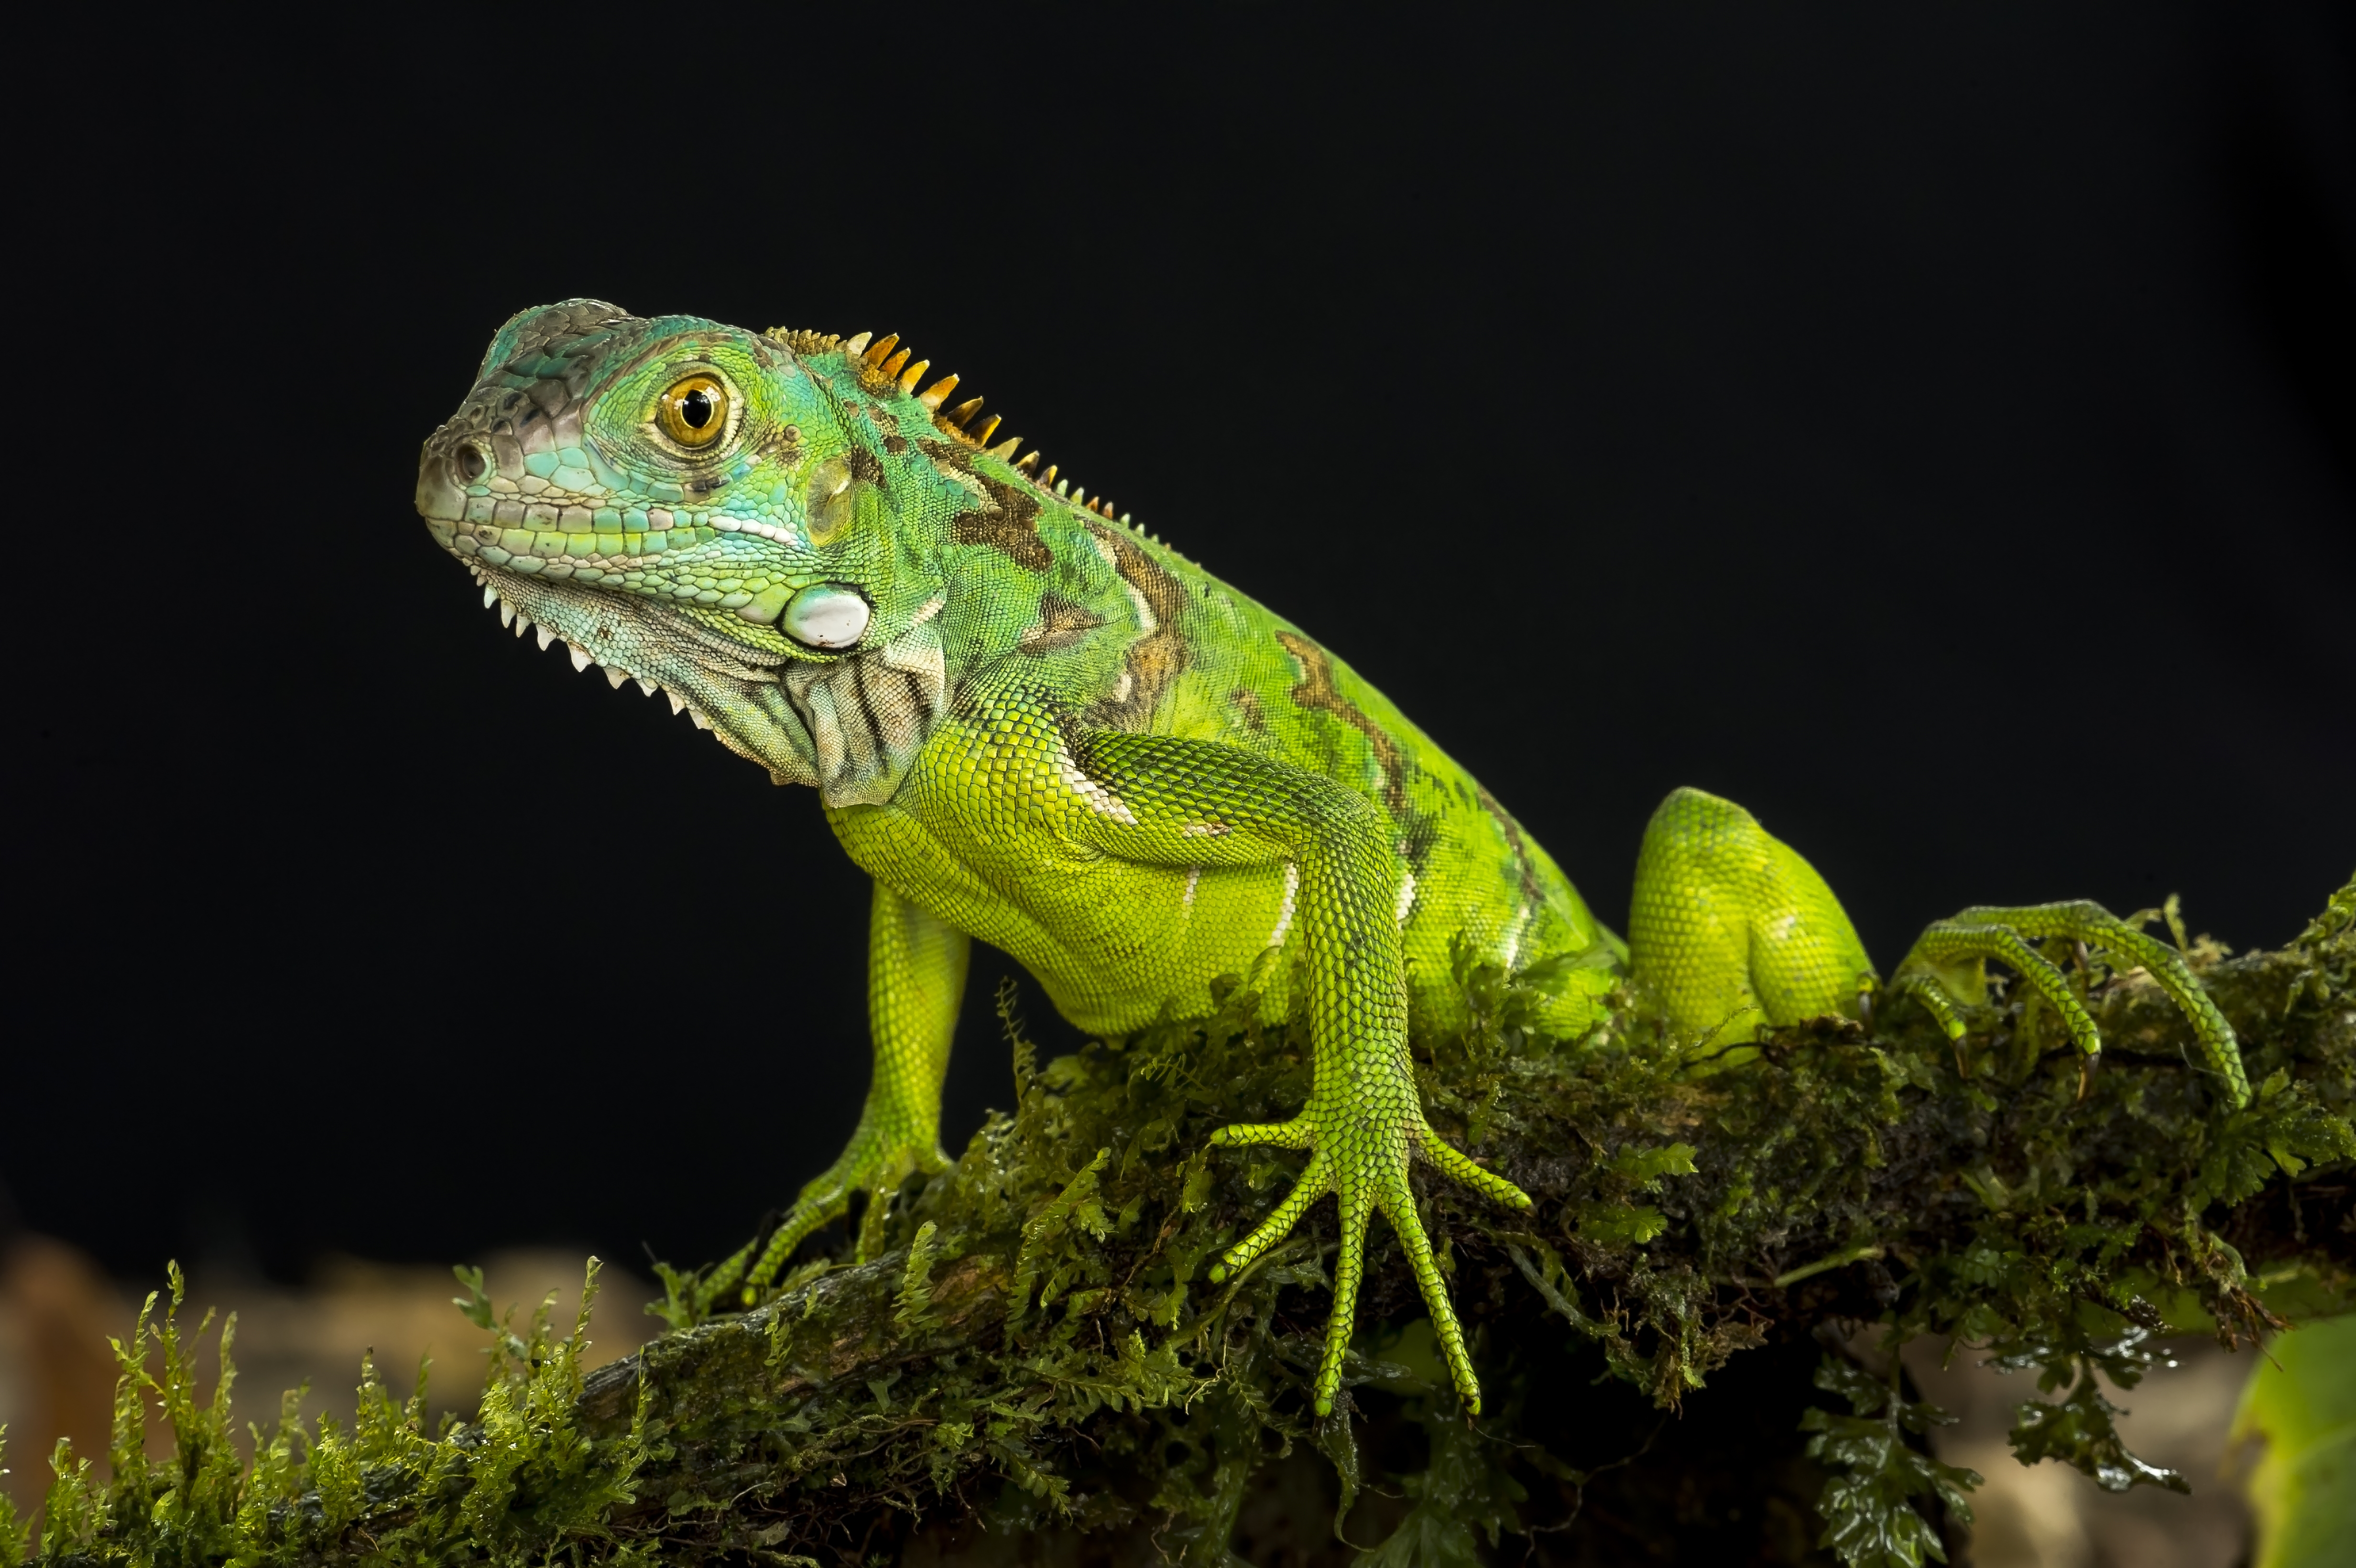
(1034,725)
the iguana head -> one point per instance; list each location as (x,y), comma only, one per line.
(751,523)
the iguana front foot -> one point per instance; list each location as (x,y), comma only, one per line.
(1361,1155)
(872,1163)
(1947,970)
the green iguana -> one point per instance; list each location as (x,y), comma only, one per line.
(1034,724)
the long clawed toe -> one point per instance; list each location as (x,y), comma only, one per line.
(1456,1164)
(1279,1134)
(1944,972)
(1306,1192)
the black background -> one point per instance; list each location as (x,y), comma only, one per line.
(1933,429)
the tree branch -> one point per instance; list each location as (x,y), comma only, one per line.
(1703,1233)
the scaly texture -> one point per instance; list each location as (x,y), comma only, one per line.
(1034,725)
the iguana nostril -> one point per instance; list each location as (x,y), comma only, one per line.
(469,463)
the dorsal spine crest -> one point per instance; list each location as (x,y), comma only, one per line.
(882,370)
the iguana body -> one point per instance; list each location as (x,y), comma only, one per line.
(1033,724)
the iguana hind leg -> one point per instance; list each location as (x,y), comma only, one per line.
(1732,928)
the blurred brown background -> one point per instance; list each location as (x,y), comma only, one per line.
(58,1310)
(2050,1517)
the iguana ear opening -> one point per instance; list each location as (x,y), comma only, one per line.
(828,505)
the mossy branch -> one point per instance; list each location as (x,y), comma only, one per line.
(1043,1352)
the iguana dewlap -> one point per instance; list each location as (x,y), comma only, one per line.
(1033,724)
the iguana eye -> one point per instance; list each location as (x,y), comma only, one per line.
(694,411)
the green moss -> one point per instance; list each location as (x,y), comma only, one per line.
(12,1530)
(1033,1367)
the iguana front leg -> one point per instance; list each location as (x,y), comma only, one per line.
(915,978)
(1730,929)
(1177,802)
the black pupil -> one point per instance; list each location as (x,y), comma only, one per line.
(695,408)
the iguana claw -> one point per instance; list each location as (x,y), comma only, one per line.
(1947,970)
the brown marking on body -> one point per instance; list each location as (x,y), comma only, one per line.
(1316,691)
(1008,518)
(1061,623)
(1010,523)
(865,464)
(955,467)
(1532,894)
(1421,833)
(1247,702)
(1153,660)
(895,444)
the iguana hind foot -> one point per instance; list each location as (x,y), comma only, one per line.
(1946,971)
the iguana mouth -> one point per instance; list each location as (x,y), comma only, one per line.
(851,726)
(623,639)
